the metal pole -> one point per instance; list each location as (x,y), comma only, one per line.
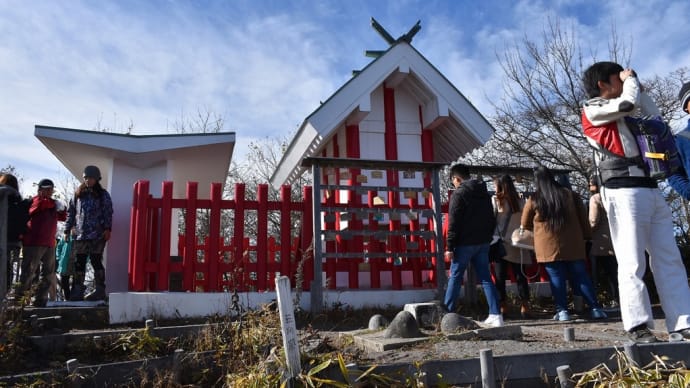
(438,233)
(316,292)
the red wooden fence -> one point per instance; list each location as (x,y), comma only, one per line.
(217,263)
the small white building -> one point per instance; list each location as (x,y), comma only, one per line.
(124,159)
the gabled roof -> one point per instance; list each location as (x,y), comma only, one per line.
(458,126)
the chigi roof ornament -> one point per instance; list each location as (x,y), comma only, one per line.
(407,38)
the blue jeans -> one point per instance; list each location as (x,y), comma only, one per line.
(478,255)
(559,272)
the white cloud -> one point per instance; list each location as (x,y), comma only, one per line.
(263,65)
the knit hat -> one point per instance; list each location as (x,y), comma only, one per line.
(684,96)
(45,184)
(92,172)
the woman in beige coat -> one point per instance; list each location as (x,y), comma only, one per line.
(558,219)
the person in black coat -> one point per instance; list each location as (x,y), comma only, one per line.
(471,225)
(17,217)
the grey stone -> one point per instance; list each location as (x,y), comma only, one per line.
(378,322)
(403,326)
(427,314)
(453,322)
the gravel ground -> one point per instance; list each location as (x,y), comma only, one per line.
(539,335)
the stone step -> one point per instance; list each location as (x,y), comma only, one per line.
(87,315)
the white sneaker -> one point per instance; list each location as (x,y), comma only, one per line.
(494,320)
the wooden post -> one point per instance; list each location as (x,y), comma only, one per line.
(569,334)
(73,371)
(178,365)
(288,326)
(564,374)
(632,352)
(486,361)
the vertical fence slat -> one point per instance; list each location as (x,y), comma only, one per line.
(165,231)
(271,266)
(262,236)
(190,256)
(152,251)
(238,236)
(213,250)
(331,272)
(394,225)
(133,217)
(374,262)
(140,236)
(414,227)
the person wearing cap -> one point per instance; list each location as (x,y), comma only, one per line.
(89,222)
(39,242)
(680,181)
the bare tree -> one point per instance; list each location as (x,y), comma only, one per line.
(256,168)
(205,121)
(101,127)
(538,120)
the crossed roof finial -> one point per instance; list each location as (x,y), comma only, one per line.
(407,38)
(403,38)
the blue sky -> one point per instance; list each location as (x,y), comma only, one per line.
(265,65)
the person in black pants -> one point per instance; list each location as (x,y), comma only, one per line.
(508,209)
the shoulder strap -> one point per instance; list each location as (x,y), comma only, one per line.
(505,223)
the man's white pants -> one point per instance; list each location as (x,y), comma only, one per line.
(640,220)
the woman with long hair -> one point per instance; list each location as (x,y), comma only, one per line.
(508,209)
(559,221)
(89,222)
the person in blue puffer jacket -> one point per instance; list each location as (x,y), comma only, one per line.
(89,223)
(680,181)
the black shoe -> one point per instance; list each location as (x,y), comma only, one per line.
(39,303)
(640,334)
(685,333)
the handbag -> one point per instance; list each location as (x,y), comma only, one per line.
(497,250)
(522,238)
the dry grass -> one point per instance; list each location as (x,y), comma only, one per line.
(658,373)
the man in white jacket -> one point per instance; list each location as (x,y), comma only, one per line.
(639,217)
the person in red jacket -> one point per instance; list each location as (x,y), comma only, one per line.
(39,242)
